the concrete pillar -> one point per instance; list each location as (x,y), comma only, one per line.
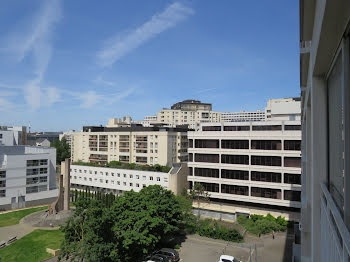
(319,155)
(66,183)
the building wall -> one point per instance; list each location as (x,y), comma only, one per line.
(21,183)
(324,81)
(243,116)
(283,109)
(118,181)
(161,147)
(246,162)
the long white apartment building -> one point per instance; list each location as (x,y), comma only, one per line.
(117,180)
(132,144)
(243,116)
(27,176)
(248,163)
(325,92)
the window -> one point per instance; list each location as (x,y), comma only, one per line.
(3,183)
(137,177)
(43,170)
(151,178)
(43,162)
(106,181)
(191,171)
(32,172)
(235,159)
(211,128)
(266,144)
(190,143)
(206,172)
(266,177)
(43,179)
(236,128)
(158,178)
(190,157)
(210,158)
(234,174)
(292,179)
(130,176)
(141,159)
(130,184)
(266,160)
(266,192)
(33,189)
(235,144)
(2,174)
(292,195)
(292,162)
(137,185)
(236,190)
(206,143)
(2,193)
(292,145)
(292,127)
(267,128)
(210,187)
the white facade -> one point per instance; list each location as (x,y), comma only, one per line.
(255,162)
(325,88)
(14,135)
(117,180)
(27,176)
(283,109)
(67,136)
(243,116)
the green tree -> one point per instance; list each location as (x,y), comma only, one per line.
(198,194)
(62,150)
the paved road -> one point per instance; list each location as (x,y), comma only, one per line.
(196,248)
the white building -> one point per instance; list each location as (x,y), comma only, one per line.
(243,116)
(14,135)
(27,176)
(117,181)
(245,164)
(283,109)
(68,136)
(325,87)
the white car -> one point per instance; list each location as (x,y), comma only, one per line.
(225,258)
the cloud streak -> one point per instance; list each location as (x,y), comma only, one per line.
(120,45)
(36,41)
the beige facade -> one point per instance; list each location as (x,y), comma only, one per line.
(192,118)
(135,144)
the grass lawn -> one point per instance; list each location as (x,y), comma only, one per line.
(14,217)
(32,247)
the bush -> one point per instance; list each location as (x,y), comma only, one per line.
(258,224)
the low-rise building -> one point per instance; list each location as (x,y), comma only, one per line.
(131,144)
(283,109)
(255,164)
(243,116)
(27,176)
(13,135)
(117,180)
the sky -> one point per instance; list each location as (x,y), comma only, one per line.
(65,64)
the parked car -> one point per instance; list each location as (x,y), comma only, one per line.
(159,258)
(225,258)
(170,253)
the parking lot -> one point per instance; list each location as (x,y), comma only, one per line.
(201,249)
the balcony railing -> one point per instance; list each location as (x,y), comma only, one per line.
(335,237)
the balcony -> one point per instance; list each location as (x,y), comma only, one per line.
(335,237)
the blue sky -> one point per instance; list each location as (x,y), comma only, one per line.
(65,64)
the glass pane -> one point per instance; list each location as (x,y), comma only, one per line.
(336,134)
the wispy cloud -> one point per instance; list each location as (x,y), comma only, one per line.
(120,45)
(36,41)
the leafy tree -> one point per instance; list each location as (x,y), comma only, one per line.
(62,150)
(197,194)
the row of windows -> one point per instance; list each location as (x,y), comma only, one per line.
(255,191)
(36,180)
(112,174)
(124,183)
(244,160)
(131,176)
(271,177)
(254,128)
(41,162)
(36,189)
(36,171)
(294,145)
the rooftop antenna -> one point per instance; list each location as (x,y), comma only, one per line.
(29,127)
